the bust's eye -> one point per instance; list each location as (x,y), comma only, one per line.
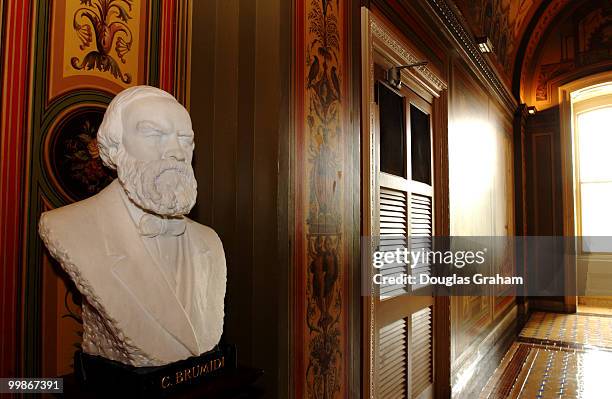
(185,137)
(151,132)
(149,129)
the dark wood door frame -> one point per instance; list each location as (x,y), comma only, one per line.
(375,35)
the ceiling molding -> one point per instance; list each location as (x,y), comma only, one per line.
(459,32)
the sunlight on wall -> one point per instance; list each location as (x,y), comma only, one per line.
(473,153)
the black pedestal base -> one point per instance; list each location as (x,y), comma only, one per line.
(230,384)
(213,373)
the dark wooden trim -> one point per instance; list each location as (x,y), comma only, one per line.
(520,193)
(418,37)
(520,200)
(355,353)
(285,201)
(442,305)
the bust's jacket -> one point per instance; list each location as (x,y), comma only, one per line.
(98,244)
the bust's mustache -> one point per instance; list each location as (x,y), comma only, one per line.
(165,187)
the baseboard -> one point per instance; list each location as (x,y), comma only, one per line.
(547,305)
(472,376)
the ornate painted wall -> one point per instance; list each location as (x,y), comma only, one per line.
(324,182)
(63,61)
(571,40)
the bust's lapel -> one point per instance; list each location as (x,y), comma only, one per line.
(139,273)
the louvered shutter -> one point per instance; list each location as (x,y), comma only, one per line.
(404,358)
(393,235)
(393,352)
(421,231)
(421,359)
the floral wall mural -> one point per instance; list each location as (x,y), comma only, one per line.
(72,155)
(321,199)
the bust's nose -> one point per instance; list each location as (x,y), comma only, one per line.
(173,149)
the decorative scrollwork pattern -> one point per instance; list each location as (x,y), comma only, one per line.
(108,20)
(324,302)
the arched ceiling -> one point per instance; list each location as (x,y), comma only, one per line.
(571,39)
(537,42)
(504,22)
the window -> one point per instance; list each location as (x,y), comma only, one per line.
(392,131)
(421,145)
(594,176)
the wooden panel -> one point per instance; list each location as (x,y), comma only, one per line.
(481,204)
(393,358)
(544,189)
(543,178)
(243,191)
(543,194)
(471,168)
(421,346)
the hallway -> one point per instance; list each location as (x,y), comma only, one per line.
(556,356)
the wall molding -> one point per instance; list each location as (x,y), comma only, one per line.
(434,83)
(460,34)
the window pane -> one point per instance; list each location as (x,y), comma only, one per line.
(595,145)
(596,210)
(392,132)
(420,139)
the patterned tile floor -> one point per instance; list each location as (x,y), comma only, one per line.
(561,359)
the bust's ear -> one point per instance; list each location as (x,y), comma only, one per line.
(109,136)
(109,153)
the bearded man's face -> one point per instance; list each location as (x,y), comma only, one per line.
(154,160)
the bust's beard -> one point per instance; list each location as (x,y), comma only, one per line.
(165,187)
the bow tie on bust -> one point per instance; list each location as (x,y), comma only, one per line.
(153,226)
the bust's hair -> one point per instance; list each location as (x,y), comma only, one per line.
(110,131)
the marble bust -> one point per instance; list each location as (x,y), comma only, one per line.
(153,281)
